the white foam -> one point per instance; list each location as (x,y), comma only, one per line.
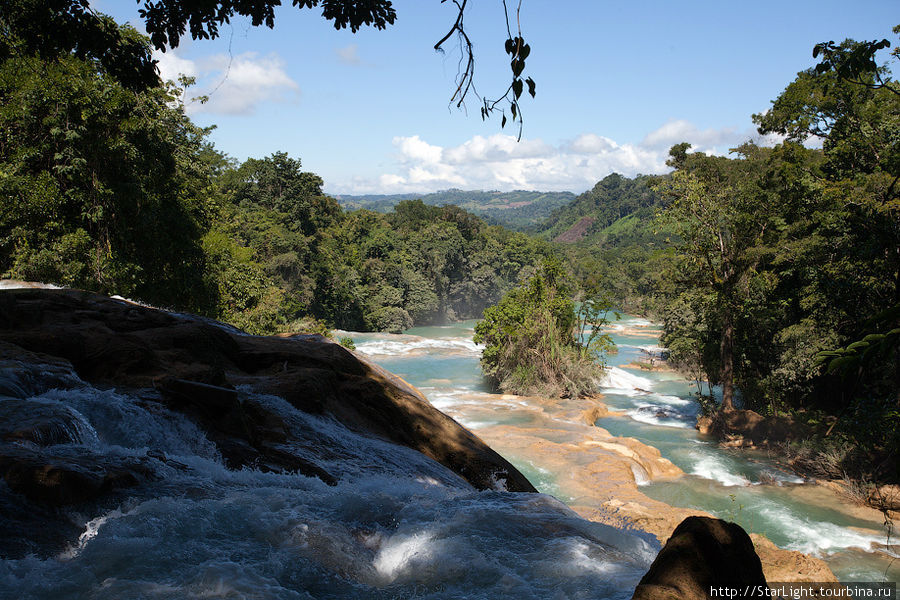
(817,537)
(641,477)
(635,322)
(712,467)
(620,381)
(91,529)
(13,284)
(422,345)
(653,349)
(400,551)
(647,414)
(673,400)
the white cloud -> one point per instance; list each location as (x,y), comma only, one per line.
(716,141)
(171,66)
(234,84)
(499,162)
(349,55)
(589,143)
(413,149)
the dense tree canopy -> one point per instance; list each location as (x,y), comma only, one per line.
(101,188)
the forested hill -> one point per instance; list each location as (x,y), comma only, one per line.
(590,216)
(116,191)
(611,231)
(518,210)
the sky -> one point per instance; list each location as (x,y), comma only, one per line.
(618,83)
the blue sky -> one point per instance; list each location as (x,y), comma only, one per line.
(617,84)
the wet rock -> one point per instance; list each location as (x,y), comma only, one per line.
(789,565)
(283,461)
(41,423)
(749,429)
(71,478)
(703,553)
(195,364)
(598,411)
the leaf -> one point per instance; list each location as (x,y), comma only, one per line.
(503,122)
(517,87)
(530,83)
(841,363)
(510,46)
(517,66)
(524,51)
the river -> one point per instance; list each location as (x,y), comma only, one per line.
(395,524)
(746,487)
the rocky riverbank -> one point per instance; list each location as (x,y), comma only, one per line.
(600,476)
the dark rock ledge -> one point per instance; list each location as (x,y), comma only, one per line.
(193,365)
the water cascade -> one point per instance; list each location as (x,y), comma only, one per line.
(654,407)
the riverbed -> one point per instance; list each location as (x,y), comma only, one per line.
(548,442)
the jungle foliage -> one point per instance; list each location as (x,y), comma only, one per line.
(776,271)
(111,188)
(539,341)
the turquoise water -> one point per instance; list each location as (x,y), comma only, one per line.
(658,409)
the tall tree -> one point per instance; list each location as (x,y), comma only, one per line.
(720,217)
(853,105)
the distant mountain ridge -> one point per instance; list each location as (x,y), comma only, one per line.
(591,215)
(611,230)
(519,210)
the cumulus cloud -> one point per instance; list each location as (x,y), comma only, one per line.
(234,84)
(704,140)
(171,66)
(499,162)
(413,149)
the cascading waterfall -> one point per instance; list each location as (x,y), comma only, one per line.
(658,409)
(396,525)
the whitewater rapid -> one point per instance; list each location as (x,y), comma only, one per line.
(396,524)
(657,408)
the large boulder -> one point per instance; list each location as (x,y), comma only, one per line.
(703,554)
(749,429)
(194,365)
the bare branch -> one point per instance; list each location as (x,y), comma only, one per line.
(465,80)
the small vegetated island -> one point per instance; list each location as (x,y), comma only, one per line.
(538,343)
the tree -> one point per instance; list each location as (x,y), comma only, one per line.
(54,29)
(721,219)
(101,188)
(535,343)
(853,104)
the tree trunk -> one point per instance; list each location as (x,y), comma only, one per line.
(726,354)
